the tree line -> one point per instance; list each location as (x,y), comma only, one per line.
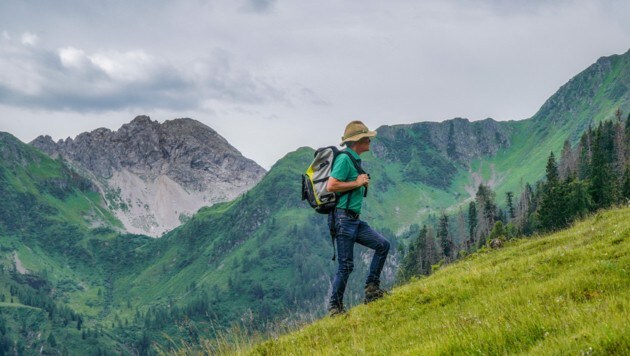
(592,175)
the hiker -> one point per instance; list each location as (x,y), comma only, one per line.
(345,220)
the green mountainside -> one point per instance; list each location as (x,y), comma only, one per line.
(562,293)
(264,256)
(591,97)
(50,218)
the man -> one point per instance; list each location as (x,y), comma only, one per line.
(345,220)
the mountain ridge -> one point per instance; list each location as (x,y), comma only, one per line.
(154,176)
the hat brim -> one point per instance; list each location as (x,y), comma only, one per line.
(358,137)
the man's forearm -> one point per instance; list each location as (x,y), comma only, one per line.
(337,186)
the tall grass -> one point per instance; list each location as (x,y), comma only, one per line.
(565,293)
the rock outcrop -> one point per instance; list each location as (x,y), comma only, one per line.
(430,151)
(154,176)
(457,140)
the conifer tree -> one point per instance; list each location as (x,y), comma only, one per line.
(429,253)
(625,188)
(509,200)
(551,211)
(444,238)
(567,162)
(408,264)
(584,153)
(51,340)
(602,187)
(524,210)
(472,224)
(620,159)
(414,260)
(486,213)
(424,259)
(578,200)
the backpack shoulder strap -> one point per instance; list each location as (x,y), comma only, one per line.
(356,164)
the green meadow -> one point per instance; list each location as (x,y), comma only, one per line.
(564,293)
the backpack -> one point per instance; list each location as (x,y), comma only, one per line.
(315,180)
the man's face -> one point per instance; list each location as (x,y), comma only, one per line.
(363,145)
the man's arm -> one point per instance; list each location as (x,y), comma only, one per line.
(336,186)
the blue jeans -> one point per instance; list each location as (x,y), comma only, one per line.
(348,231)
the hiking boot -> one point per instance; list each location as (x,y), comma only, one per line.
(335,310)
(373,292)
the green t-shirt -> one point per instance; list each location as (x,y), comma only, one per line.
(344,171)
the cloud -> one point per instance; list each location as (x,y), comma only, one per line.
(70,78)
(259,6)
(29,39)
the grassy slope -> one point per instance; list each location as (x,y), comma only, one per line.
(566,292)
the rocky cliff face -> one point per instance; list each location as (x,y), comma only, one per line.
(430,151)
(458,139)
(154,176)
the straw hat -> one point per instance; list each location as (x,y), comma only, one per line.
(355,131)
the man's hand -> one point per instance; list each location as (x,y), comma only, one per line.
(362,180)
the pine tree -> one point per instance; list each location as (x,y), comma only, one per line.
(429,253)
(625,188)
(486,213)
(51,340)
(509,200)
(472,224)
(551,212)
(405,271)
(602,187)
(619,142)
(498,231)
(568,162)
(578,200)
(524,210)
(552,170)
(414,260)
(444,238)
(585,153)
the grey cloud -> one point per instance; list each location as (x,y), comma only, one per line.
(111,81)
(259,6)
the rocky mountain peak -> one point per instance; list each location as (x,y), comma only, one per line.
(154,175)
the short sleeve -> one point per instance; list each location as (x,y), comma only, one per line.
(342,168)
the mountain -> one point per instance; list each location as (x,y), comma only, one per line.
(155,176)
(265,255)
(426,167)
(50,220)
(566,292)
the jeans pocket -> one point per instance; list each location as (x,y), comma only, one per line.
(344,225)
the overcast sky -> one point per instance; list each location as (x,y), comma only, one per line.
(274,75)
